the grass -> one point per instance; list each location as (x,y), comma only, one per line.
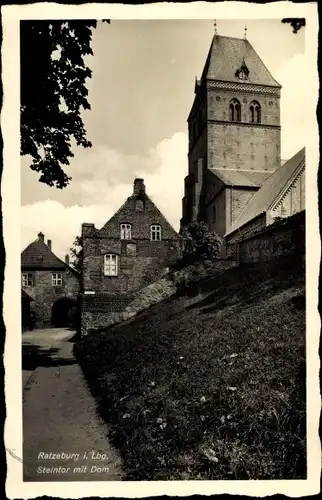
(210,386)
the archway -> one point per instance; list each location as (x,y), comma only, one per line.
(64,312)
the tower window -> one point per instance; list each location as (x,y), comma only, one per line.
(125,231)
(234,110)
(155,234)
(255,112)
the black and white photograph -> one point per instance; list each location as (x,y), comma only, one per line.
(161,324)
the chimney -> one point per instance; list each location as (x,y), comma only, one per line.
(49,244)
(67,259)
(41,237)
(139,187)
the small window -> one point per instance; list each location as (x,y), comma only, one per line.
(57,279)
(139,205)
(27,279)
(214,214)
(125,231)
(155,233)
(110,264)
(131,249)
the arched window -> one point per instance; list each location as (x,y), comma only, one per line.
(255,112)
(110,264)
(234,110)
(155,234)
(125,232)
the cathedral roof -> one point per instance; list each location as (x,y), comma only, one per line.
(227,55)
(241,178)
(37,255)
(271,189)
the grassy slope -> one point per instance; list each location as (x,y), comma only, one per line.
(212,386)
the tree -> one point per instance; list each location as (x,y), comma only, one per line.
(296,23)
(77,255)
(200,243)
(53,94)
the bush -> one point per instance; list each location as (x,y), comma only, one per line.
(200,243)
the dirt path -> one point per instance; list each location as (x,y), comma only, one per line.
(64,439)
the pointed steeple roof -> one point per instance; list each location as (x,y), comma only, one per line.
(227,55)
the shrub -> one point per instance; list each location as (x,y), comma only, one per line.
(200,243)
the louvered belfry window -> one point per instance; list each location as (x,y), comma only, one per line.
(255,112)
(234,110)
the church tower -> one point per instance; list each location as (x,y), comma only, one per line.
(234,134)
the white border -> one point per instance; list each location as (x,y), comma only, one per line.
(11,226)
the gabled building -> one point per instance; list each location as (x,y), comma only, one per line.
(133,249)
(235,175)
(281,195)
(51,283)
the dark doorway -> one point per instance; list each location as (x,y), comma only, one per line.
(64,312)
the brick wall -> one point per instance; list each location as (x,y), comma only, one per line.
(285,237)
(140,260)
(45,294)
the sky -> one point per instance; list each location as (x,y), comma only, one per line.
(141,92)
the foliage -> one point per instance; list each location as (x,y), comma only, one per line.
(296,23)
(77,254)
(54,93)
(200,243)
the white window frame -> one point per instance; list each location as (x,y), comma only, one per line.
(156,232)
(126,231)
(28,281)
(57,279)
(111,261)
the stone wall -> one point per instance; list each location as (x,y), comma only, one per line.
(284,237)
(102,311)
(45,294)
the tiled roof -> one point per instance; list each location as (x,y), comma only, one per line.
(226,55)
(37,255)
(270,190)
(25,296)
(242,178)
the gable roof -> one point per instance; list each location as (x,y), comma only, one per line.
(270,190)
(37,255)
(241,178)
(150,215)
(227,54)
